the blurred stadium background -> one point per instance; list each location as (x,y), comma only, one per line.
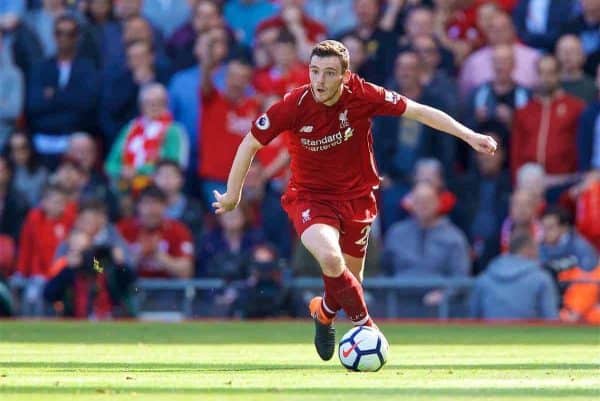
(112,140)
(113,137)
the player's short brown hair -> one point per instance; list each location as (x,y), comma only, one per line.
(334,48)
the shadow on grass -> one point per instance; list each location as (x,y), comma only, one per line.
(295,332)
(476,393)
(242,367)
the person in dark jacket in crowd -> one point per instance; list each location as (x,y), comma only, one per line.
(62,93)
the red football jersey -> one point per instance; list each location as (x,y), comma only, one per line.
(224,125)
(331,147)
(172,237)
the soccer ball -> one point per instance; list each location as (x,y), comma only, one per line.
(363,349)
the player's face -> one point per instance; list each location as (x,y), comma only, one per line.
(326,78)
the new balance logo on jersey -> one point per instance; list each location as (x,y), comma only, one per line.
(344,119)
(307,129)
(306,216)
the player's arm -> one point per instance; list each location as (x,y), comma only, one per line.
(241,164)
(443,122)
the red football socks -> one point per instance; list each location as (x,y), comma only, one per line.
(345,292)
(329,305)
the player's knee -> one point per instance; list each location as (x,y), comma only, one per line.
(331,263)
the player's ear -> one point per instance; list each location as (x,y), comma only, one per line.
(346,76)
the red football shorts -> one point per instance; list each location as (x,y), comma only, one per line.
(352,218)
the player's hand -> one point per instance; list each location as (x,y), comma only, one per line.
(224,202)
(482,143)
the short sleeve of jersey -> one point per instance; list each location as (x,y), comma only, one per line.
(383,102)
(278,118)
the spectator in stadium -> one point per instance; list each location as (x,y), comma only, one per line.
(523,217)
(133,29)
(120,91)
(539,23)
(581,300)
(84,151)
(29,176)
(167,16)
(244,16)
(12,95)
(12,207)
(160,247)
(483,194)
(264,292)
(419,22)
(456,27)
(400,143)
(582,200)
(550,118)
(102,28)
(169,178)
(562,247)
(426,244)
(42,22)
(62,94)
(434,75)
(138,28)
(286,72)
(336,15)
(71,176)
(514,286)
(532,178)
(21,46)
(431,171)
(585,26)
(43,230)
(498,98)
(225,248)
(588,135)
(292,17)
(180,47)
(226,117)
(145,140)
(262,51)
(128,8)
(10,13)
(478,68)
(358,49)
(381,45)
(186,104)
(95,290)
(573,79)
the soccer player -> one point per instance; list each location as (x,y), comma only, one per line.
(330,196)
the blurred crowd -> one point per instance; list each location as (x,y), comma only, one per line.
(119,118)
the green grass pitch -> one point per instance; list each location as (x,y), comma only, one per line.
(267,361)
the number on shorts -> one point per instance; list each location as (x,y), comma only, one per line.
(364,240)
